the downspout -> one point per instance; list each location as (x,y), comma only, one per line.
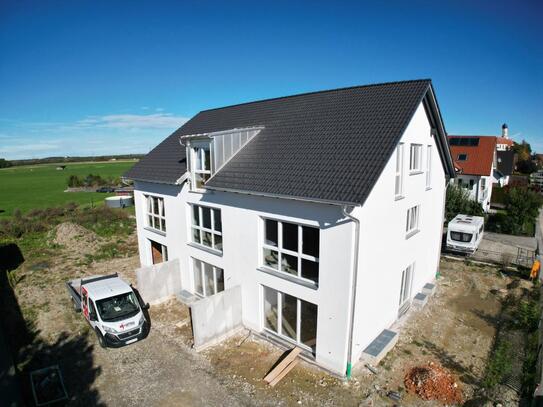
(353,288)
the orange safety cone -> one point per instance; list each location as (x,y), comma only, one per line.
(535,270)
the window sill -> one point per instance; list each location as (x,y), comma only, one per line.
(158,232)
(399,197)
(205,248)
(417,172)
(411,234)
(289,277)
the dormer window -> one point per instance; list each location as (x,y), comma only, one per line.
(200,162)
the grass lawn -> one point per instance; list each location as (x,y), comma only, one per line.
(42,186)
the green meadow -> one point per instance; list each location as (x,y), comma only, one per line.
(42,186)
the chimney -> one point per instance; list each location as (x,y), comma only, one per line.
(505,130)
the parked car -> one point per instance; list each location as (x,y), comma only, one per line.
(106,189)
(464,233)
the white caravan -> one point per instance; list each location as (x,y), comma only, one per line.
(464,233)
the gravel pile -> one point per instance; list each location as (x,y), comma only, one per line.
(433,382)
(76,238)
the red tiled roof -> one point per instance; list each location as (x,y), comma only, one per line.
(479,158)
(503,140)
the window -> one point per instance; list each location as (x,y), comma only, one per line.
(159,252)
(207,226)
(415,158)
(208,279)
(405,288)
(292,249)
(483,184)
(461,237)
(412,222)
(471,182)
(291,318)
(428,166)
(398,187)
(462,157)
(156,216)
(200,159)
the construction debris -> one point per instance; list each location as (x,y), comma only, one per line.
(283,367)
(433,382)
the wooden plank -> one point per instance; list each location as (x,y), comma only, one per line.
(282,365)
(285,371)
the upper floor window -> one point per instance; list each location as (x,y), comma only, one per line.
(398,187)
(415,158)
(292,249)
(412,220)
(207,227)
(428,166)
(156,217)
(200,162)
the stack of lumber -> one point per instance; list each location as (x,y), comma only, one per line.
(283,367)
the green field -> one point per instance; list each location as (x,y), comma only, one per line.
(42,186)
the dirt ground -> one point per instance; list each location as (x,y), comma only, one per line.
(456,329)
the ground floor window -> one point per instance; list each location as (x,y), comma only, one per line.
(405,288)
(159,252)
(291,318)
(208,279)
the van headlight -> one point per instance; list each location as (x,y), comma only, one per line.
(110,330)
(142,320)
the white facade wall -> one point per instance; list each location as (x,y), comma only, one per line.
(384,250)
(242,243)
(475,192)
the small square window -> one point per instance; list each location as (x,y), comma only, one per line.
(462,157)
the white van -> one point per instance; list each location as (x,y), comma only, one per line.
(464,233)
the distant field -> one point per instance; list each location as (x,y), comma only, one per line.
(42,186)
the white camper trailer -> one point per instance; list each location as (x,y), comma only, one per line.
(464,233)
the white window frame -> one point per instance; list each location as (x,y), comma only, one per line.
(279,332)
(163,251)
(279,248)
(204,292)
(412,222)
(197,153)
(415,158)
(405,287)
(201,229)
(398,180)
(152,218)
(428,167)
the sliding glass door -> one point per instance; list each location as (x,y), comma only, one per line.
(291,318)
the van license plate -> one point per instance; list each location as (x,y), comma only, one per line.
(131,341)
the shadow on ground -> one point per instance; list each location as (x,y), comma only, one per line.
(26,351)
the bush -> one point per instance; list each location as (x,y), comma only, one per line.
(74,181)
(459,201)
(522,206)
(499,365)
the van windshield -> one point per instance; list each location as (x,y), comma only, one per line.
(119,307)
(461,237)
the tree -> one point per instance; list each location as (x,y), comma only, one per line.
(526,166)
(459,201)
(522,206)
(5,163)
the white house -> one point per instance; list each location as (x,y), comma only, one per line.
(325,209)
(476,165)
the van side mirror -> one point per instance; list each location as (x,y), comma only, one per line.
(146,307)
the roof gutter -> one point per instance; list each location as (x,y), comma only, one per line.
(344,210)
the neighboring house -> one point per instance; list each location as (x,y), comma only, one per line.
(475,162)
(536,178)
(325,208)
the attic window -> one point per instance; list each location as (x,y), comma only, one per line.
(200,162)
(462,157)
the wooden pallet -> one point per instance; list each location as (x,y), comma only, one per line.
(283,367)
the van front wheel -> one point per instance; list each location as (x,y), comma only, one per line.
(101,339)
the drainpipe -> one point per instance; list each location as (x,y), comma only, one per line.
(356,221)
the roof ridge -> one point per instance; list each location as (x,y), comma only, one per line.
(317,92)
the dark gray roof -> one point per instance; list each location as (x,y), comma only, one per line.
(327,146)
(505,161)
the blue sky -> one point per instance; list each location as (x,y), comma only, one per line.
(104,77)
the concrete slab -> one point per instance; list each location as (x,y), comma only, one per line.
(420,300)
(379,347)
(429,289)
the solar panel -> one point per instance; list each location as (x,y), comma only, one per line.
(464,141)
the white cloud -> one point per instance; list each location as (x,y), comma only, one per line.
(139,121)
